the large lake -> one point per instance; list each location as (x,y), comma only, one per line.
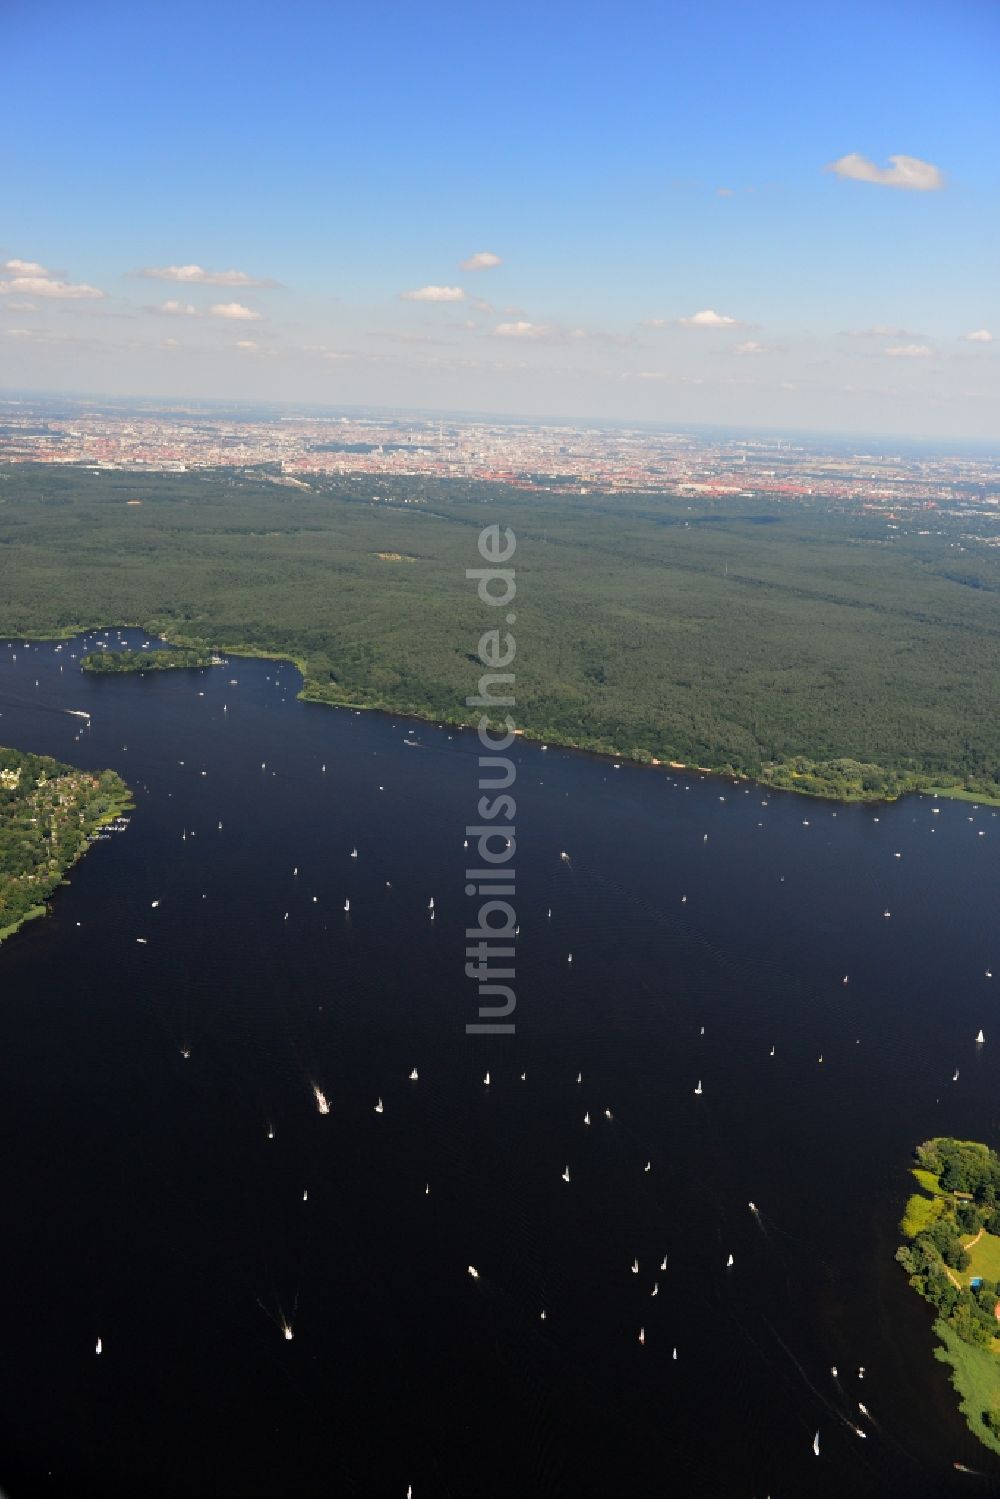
(146,1203)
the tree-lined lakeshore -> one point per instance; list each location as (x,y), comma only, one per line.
(49,812)
(952,1259)
(806,647)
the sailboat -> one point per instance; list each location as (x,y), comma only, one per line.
(648,1166)
(413,1075)
(347,905)
(699,1089)
(955,1076)
(642,1335)
(579,1077)
(816,1444)
(729,1263)
(980,1039)
(379,1109)
(354,853)
(430,904)
(635,1267)
(100,1347)
(586,1117)
(656,1288)
(663,1263)
(565,1175)
(486,1079)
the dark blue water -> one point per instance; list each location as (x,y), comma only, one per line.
(144,1202)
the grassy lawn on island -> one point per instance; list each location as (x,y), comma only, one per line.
(920,1213)
(929,1182)
(976,1377)
(984,1257)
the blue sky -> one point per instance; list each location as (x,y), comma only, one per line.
(632,167)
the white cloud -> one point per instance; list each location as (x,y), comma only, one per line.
(334,355)
(655,322)
(45,287)
(908,351)
(880,330)
(234,310)
(906,172)
(24,268)
(752,347)
(523,330)
(21,307)
(723,192)
(170,343)
(178,309)
(196,275)
(247,345)
(980,336)
(483,260)
(709,319)
(20,333)
(434,294)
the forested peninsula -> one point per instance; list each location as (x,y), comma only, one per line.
(801,645)
(952,1258)
(49,812)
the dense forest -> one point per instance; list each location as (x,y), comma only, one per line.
(108,662)
(813,649)
(953,1243)
(48,814)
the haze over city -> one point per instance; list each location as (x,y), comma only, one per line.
(559,215)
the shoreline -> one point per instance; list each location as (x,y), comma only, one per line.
(529,735)
(121,803)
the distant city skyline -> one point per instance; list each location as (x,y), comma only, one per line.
(753,218)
